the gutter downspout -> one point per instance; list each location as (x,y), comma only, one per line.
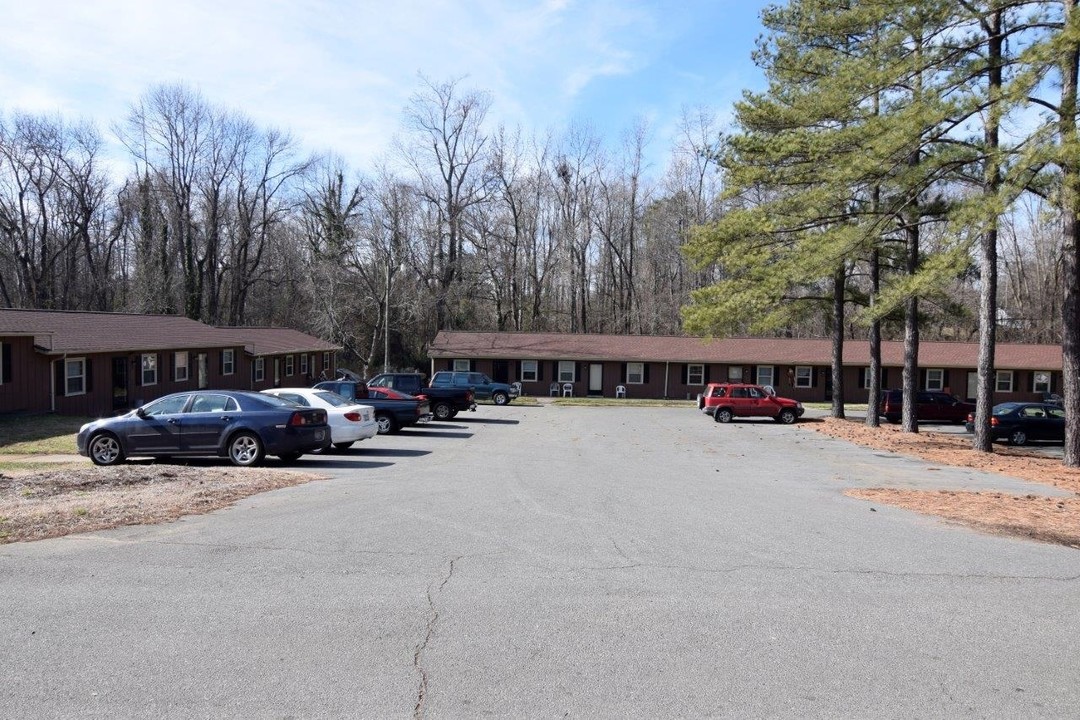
(667,371)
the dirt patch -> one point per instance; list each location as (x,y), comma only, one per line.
(39,505)
(1049,519)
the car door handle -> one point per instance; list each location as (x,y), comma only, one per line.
(225,418)
(173,421)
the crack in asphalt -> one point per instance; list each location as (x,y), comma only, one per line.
(421,693)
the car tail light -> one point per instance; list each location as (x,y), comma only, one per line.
(469,395)
(994,421)
(300,418)
(352,416)
(971,417)
(421,397)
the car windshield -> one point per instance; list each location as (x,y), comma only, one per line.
(1005,408)
(332,398)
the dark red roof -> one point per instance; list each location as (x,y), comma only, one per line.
(60,332)
(731,351)
(65,332)
(275,341)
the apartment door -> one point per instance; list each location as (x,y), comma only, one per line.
(596,379)
(119,382)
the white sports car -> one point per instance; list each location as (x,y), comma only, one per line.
(348,421)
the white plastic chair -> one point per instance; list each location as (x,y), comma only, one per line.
(515,387)
(620,391)
(567,390)
(553,390)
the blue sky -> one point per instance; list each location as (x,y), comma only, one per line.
(337,74)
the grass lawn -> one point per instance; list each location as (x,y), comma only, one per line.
(39,434)
(621,402)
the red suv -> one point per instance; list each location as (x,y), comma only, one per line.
(930,406)
(725,401)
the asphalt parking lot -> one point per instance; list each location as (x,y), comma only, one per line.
(554,562)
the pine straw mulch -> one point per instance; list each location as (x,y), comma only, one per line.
(39,505)
(1034,516)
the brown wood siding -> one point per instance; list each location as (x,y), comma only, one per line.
(27,390)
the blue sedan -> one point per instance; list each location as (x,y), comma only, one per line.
(242,426)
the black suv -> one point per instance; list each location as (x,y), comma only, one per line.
(930,406)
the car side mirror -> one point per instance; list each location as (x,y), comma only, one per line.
(141,413)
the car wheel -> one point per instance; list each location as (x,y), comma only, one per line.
(453,414)
(442,411)
(722,415)
(786,416)
(105,449)
(387,426)
(245,450)
(500,398)
(343,446)
(1018,437)
(289,457)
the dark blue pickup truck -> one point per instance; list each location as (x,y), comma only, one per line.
(446,402)
(391,414)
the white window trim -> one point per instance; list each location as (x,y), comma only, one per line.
(758,375)
(804,380)
(866,378)
(735,373)
(260,369)
(700,372)
(228,358)
(177,366)
(326,361)
(573,371)
(535,371)
(630,366)
(290,365)
(1007,375)
(1035,383)
(143,370)
(930,384)
(81,376)
(303,364)
(462,365)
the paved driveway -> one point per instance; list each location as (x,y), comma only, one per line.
(554,562)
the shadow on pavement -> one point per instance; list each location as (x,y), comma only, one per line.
(490,421)
(437,433)
(317,462)
(382,452)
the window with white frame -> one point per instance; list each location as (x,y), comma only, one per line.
(289,365)
(149,368)
(935,379)
(734,373)
(462,365)
(695,374)
(303,364)
(765,375)
(75,376)
(3,365)
(180,366)
(1003,380)
(804,376)
(530,370)
(228,362)
(1040,381)
(326,361)
(865,384)
(260,369)
(567,371)
(635,373)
